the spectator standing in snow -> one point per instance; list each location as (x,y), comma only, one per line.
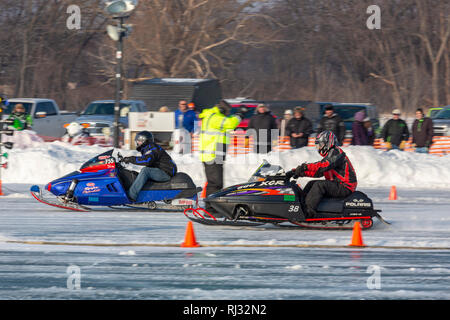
(288,114)
(360,132)
(298,129)
(263,122)
(331,121)
(370,130)
(185,118)
(395,132)
(422,132)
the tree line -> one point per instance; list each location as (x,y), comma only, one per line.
(319,50)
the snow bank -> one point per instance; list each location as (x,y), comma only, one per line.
(47,161)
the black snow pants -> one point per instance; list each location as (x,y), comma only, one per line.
(317,189)
(214,177)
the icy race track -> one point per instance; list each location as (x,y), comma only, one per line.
(420,218)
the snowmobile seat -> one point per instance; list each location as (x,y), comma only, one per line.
(336,205)
(180,181)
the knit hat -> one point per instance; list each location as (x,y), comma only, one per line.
(359,116)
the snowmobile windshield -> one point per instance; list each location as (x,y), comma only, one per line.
(102,161)
(265,170)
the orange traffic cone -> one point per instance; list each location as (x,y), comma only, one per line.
(357,240)
(393,193)
(189,238)
(203,194)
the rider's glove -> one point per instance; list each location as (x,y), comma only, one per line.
(290,174)
(300,170)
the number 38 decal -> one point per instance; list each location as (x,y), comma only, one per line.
(293,208)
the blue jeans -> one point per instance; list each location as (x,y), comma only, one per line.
(421,149)
(147,173)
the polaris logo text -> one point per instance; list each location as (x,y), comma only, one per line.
(357,203)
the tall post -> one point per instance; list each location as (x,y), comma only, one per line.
(119,60)
(1,129)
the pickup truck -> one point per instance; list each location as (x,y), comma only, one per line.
(441,122)
(48,120)
(99,115)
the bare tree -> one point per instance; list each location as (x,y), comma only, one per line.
(434,32)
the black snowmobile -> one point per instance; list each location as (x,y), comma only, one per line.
(269,198)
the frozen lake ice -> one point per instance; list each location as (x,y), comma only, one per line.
(124,268)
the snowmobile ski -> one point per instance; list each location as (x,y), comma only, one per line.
(36,192)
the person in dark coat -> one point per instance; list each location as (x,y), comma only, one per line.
(370,130)
(298,129)
(395,132)
(360,132)
(331,121)
(263,122)
(158,165)
(422,132)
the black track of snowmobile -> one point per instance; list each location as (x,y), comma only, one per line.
(344,223)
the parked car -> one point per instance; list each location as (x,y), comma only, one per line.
(433,111)
(99,115)
(250,112)
(48,120)
(441,122)
(277,107)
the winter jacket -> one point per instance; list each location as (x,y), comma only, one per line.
(213,137)
(185,120)
(335,166)
(22,121)
(302,125)
(263,121)
(361,136)
(422,132)
(333,124)
(153,155)
(395,131)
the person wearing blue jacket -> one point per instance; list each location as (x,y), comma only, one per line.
(184,117)
(158,165)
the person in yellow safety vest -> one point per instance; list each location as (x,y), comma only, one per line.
(216,122)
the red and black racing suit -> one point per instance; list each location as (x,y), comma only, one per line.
(340,179)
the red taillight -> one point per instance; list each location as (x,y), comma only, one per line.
(49,187)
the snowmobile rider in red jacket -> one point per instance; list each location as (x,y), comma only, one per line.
(335,167)
(159,166)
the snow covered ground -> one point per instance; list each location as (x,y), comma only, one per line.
(122,256)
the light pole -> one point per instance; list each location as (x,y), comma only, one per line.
(119,10)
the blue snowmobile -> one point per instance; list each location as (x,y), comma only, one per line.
(103,181)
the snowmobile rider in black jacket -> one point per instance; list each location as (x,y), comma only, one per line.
(335,167)
(159,166)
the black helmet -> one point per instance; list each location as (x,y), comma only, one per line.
(325,141)
(142,139)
